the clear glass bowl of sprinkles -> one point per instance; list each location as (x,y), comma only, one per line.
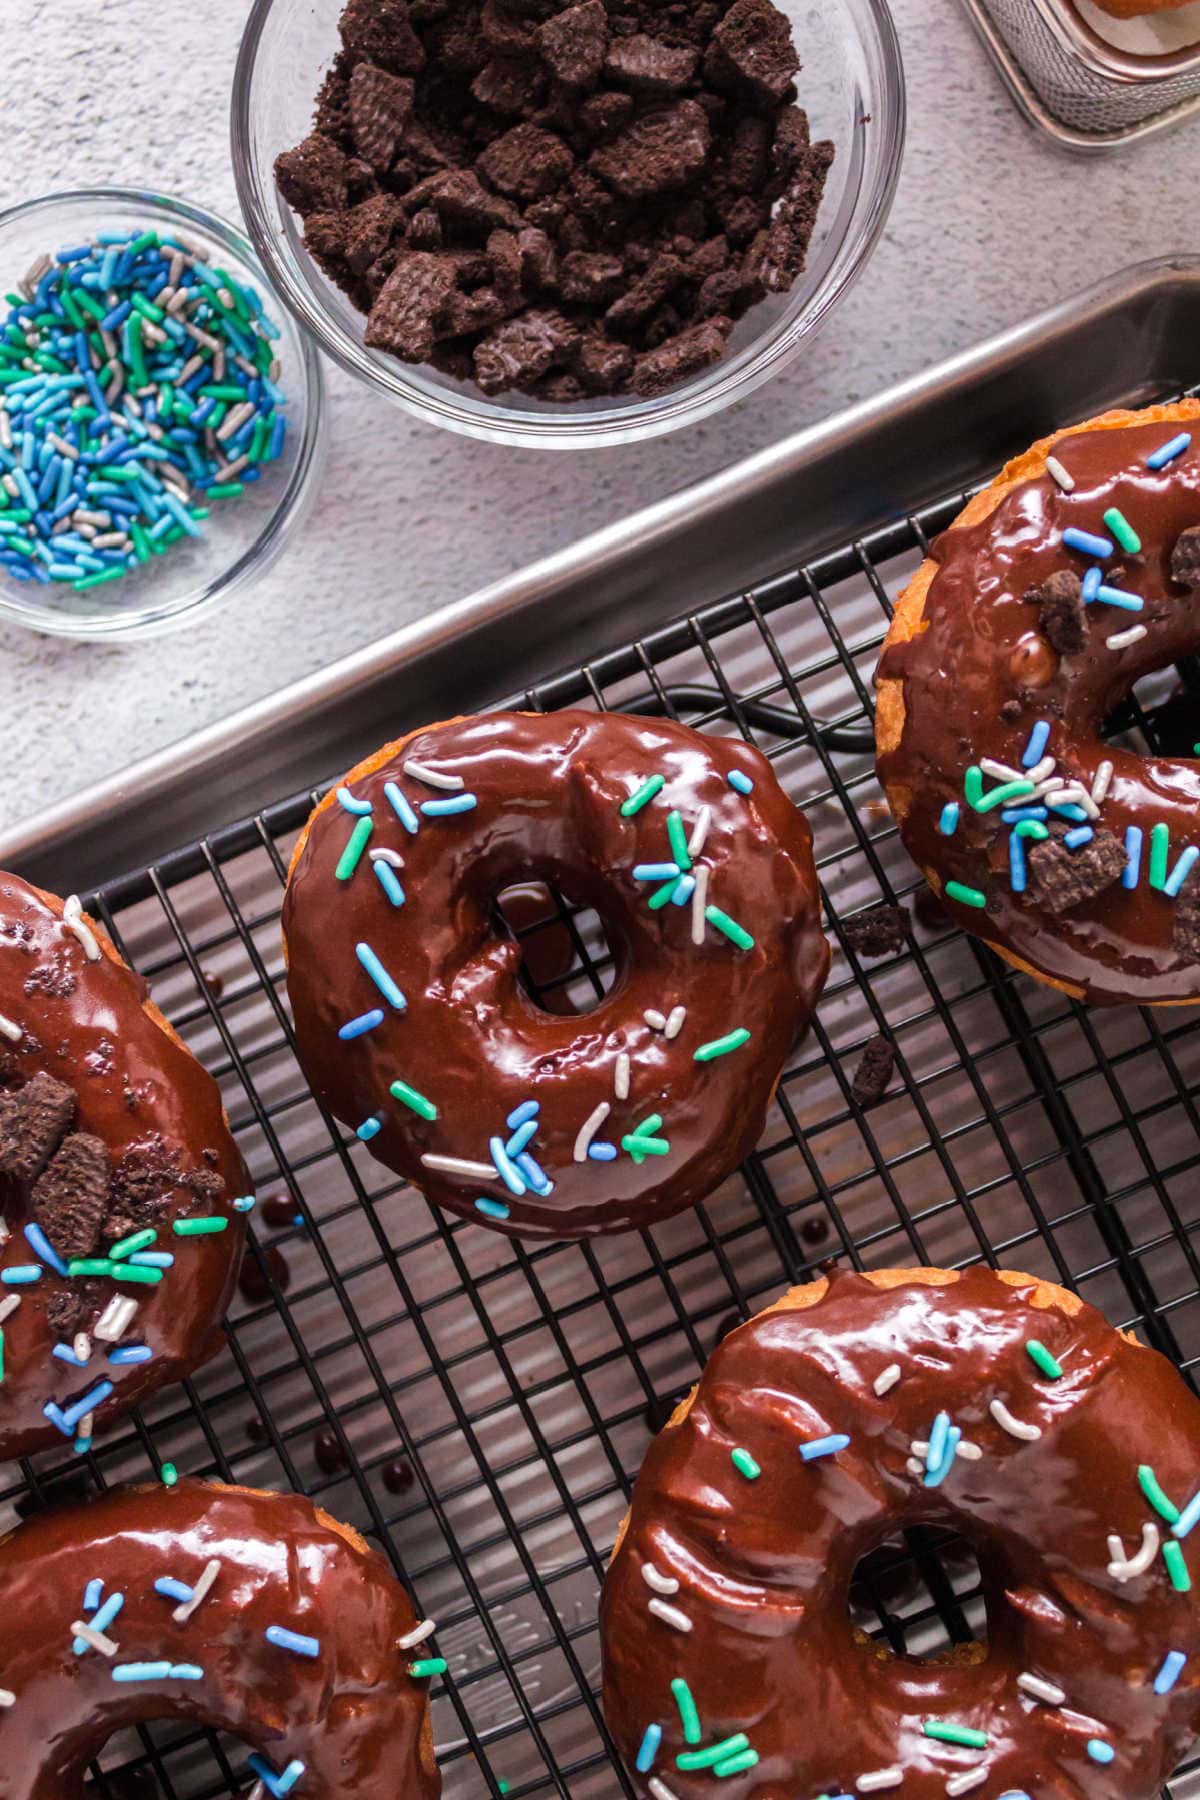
(131,500)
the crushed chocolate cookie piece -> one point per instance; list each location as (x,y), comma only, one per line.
(646,63)
(312,177)
(590,276)
(1062,620)
(381,31)
(65,1310)
(54,978)
(425,230)
(519,352)
(369,229)
(39,1118)
(70,1197)
(1185,558)
(602,366)
(380,107)
(696,348)
(510,84)
(663,150)
(1011,711)
(459,197)
(150,1181)
(602,116)
(1061,879)
(879,932)
(527,162)
(752,49)
(1185,929)
(573,44)
(874,1071)
(793,222)
(405,317)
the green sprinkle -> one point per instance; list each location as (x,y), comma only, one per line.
(677,837)
(97,580)
(202,1227)
(642,796)
(734,1765)
(715,1753)
(89,1265)
(723,1045)
(1177,1568)
(1164,1507)
(736,933)
(981,802)
(745,1464)
(955,1734)
(662,894)
(352,855)
(431,1665)
(1122,530)
(400,1090)
(1051,1369)
(226,490)
(689,1718)
(147,308)
(1027,828)
(141,543)
(642,1147)
(147,241)
(649,1125)
(1160,846)
(966,896)
(170,1474)
(141,1240)
(135,1273)
(223,391)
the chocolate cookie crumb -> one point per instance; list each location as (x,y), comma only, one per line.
(70,1198)
(874,1071)
(1185,931)
(1060,598)
(1061,879)
(1185,558)
(34,1125)
(879,932)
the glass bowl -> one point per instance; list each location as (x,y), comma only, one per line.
(247,533)
(852,87)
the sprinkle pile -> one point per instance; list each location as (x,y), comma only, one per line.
(137,386)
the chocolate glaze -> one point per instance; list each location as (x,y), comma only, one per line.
(550,790)
(136,1085)
(764,1567)
(352,1714)
(980,648)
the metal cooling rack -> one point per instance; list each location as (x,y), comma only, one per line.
(519,1384)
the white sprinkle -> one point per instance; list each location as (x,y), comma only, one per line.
(919,1447)
(589,1128)
(670,1615)
(621,1076)
(879,1778)
(1121,640)
(96,1639)
(1100,786)
(82,1347)
(9,1304)
(1015,1427)
(236,419)
(5,431)
(654,1578)
(111,540)
(75,923)
(7,1697)
(660,1790)
(92,518)
(655,1020)
(1000,770)
(86,1426)
(200,1593)
(1043,770)
(699,902)
(10,1030)
(914,1467)
(1122,1568)
(675,1022)
(1041,1689)
(1057,473)
(459,1165)
(886,1382)
(116,1319)
(417,1635)
(432,777)
(62,446)
(969,1451)
(700,832)
(1074,795)
(392,858)
(965,1780)
(10,487)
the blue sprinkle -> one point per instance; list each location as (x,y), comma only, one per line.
(934,1476)
(1158,459)
(365,1022)
(684,888)
(1133,856)
(1181,871)
(521,1115)
(80,1408)
(1188,1517)
(278,1785)
(1017,873)
(454,803)
(937,1440)
(741,782)
(1127,602)
(41,1246)
(283,1639)
(534,1174)
(1087,542)
(523,1135)
(380,976)
(1066,809)
(1035,749)
(1092,581)
(1012,815)
(101,1622)
(81,1446)
(244,1204)
(143,1671)
(948,823)
(368,1129)
(57,1418)
(152,1259)
(664,871)
(92,1593)
(601,1151)
(359,807)
(401,808)
(649,1749)
(64,1353)
(1082,834)
(387,879)
(826,1446)
(1099,1751)
(509,1174)
(172,1589)
(492,1209)
(131,1353)
(1170,1672)
(21,1275)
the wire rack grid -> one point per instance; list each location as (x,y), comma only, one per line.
(479,1408)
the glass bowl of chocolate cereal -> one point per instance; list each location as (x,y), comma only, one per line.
(553,224)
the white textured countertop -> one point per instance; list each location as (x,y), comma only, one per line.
(990,224)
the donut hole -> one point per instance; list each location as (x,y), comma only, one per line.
(567,961)
(919,1596)
(1161,714)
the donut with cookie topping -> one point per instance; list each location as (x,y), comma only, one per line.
(1057,589)
(122,1194)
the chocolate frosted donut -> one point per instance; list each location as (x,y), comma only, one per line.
(249,1612)
(990,1403)
(120,1235)
(411,1022)
(1074,575)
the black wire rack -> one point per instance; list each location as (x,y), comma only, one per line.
(479,1408)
